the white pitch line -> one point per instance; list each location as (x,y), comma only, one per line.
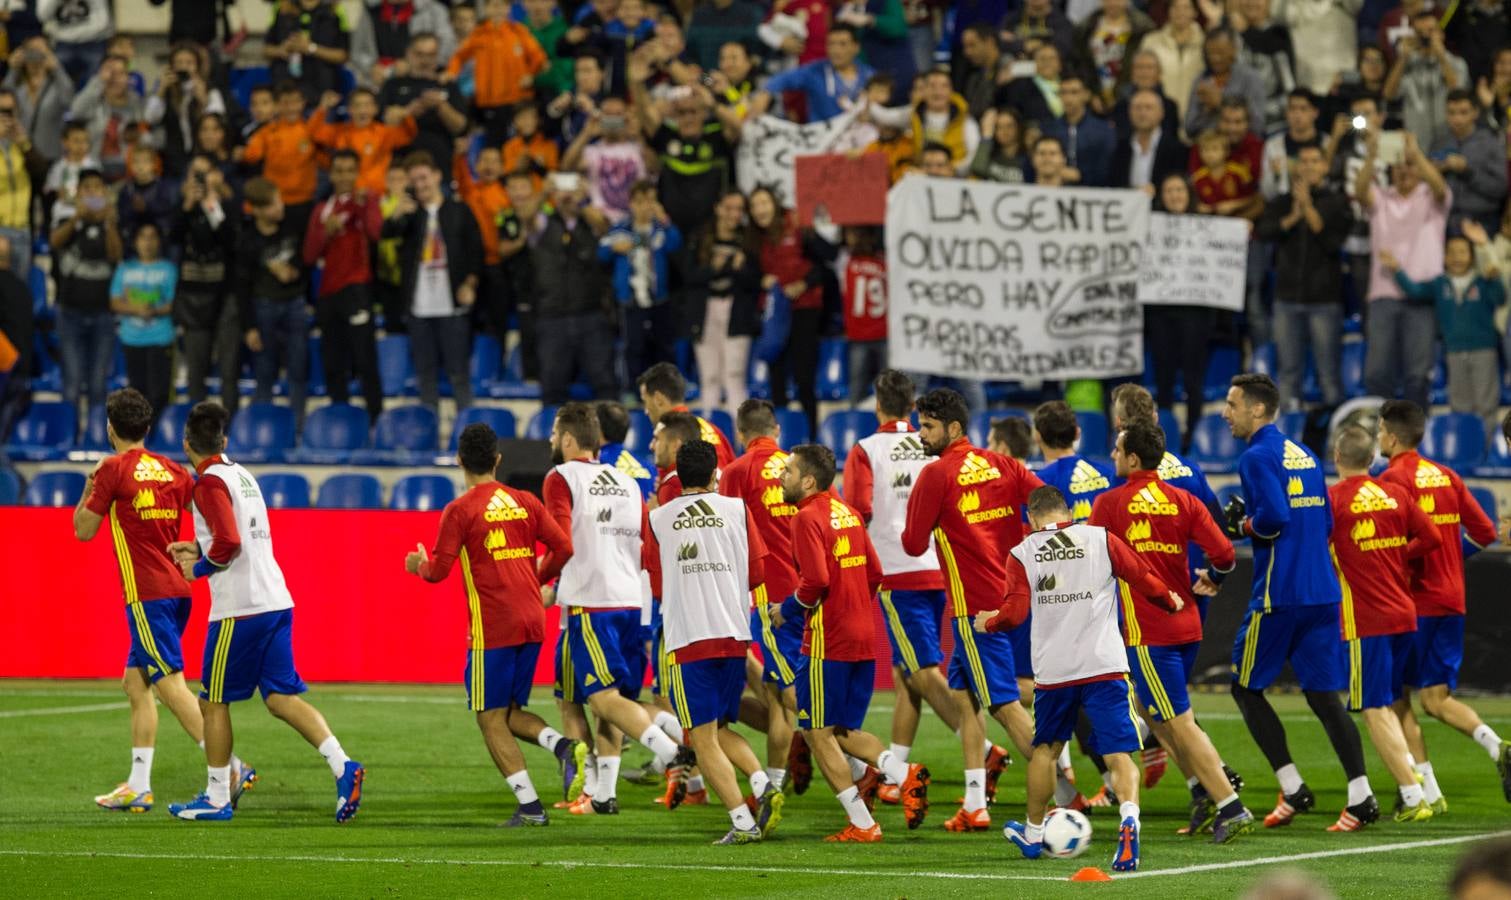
(62,710)
(1319,854)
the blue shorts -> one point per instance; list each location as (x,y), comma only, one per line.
(1188,654)
(982,664)
(1308,636)
(913,619)
(1108,706)
(1159,678)
(565,689)
(156,628)
(1023,647)
(1376,669)
(1437,652)
(834,693)
(501,677)
(781,648)
(603,650)
(249,654)
(660,665)
(706,690)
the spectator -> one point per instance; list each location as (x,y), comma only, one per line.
(1179,47)
(337,238)
(1244,146)
(734,81)
(1105,42)
(1179,335)
(1466,305)
(573,315)
(528,148)
(78,30)
(1265,45)
(1492,256)
(831,86)
(1372,70)
(1408,220)
(183,96)
(113,114)
(141,295)
(548,28)
(386,29)
(890,126)
(942,117)
(122,46)
(1308,224)
(270,294)
(794,261)
(87,247)
(585,36)
(195,20)
(695,149)
(1037,97)
(1324,40)
(1089,140)
(1143,75)
(935,161)
(1225,76)
(506,60)
(23,164)
(986,68)
(1281,150)
(1001,154)
(1038,22)
(488,199)
(639,254)
(612,162)
(1349,147)
(884,44)
(723,303)
(211,139)
(205,231)
(18,326)
(1494,92)
(629,29)
(569,113)
(388,275)
(1473,162)
(865,301)
(286,149)
(1152,152)
(796,31)
(307,44)
(1478,30)
(1423,75)
(514,265)
(441,257)
(718,22)
(43,92)
(373,141)
(60,190)
(441,116)
(262,108)
(146,197)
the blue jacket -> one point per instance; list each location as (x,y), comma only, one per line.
(1467,324)
(822,87)
(1080,480)
(1292,523)
(1092,151)
(617,456)
(664,241)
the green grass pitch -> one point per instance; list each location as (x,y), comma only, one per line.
(432,801)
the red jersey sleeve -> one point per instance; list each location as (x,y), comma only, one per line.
(757,551)
(1477,526)
(668,490)
(808,546)
(1131,568)
(448,544)
(650,559)
(1015,599)
(106,478)
(1206,535)
(859,481)
(213,501)
(558,540)
(873,564)
(558,502)
(924,505)
(1423,536)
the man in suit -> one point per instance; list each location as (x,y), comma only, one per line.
(1152,152)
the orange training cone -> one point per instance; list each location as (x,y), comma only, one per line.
(1091,873)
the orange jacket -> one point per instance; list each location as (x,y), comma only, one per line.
(503,56)
(487,200)
(539,148)
(287,153)
(373,143)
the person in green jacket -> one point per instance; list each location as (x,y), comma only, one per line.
(548,26)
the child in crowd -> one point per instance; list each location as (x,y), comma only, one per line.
(286,149)
(865,296)
(529,147)
(388,273)
(505,60)
(640,254)
(486,196)
(62,184)
(1223,187)
(147,197)
(261,109)
(141,296)
(373,142)
(270,290)
(613,162)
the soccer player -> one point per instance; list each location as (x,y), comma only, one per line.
(614,422)
(970,502)
(704,552)
(1079,479)
(756,479)
(599,593)
(1158,521)
(1069,575)
(143,495)
(663,390)
(1377,530)
(493,530)
(673,429)
(250,642)
(912,587)
(1293,609)
(1437,586)
(838,574)
(1011,436)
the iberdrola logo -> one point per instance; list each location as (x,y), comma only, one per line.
(144,499)
(1428,503)
(1080,511)
(1138,531)
(969,502)
(842,546)
(1046,583)
(1294,487)
(1363,530)
(687,552)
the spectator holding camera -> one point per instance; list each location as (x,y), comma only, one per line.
(146,196)
(270,288)
(614,160)
(205,230)
(1423,74)
(87,247)
(182,98)
(113,114)
(308,43)
(1473,162)
(20,160)
(573,319)
(442,117)
(43,93)
(639,254)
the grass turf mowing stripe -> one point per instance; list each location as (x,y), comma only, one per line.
(1319,854)
(62,710)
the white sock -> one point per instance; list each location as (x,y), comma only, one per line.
(219,787)
(1192,782)
(778,776)
(1430,788)
(1065,757)
(1358,790)
(1226,800)
(656,741)
(608,778)
(548,739)
(1411,760)
(590,775)
(901,751)
(741,818)
(855,808)
(1034,832)
(1486,737)
(335,757)
(759,782)
(695,784)
(986,746)
(524,791)
(1065,792)
(895,769)
(858,767)
(975,789)
(237,766)
(141,770)
(1411,795)
(1128,810)
(1289,777)
(669,724)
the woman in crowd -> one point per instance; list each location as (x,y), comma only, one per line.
(212,138)
(1001,155)
(723,303)
(1176,336)
(43,94)
(183,97)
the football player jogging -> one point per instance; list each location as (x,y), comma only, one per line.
(599,593)
(492,531)
(1069,575)
(249,646)
(969,502)
(1294,607)
(1158,521)
(1377,530)
(838,574)
(1437,586)
(663,389)
(704,552)
(143,495)
(614,422)
(879,476)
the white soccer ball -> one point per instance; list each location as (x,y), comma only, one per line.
(1067,833)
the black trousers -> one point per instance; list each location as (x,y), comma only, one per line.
(349,346)
(568,344)
(800,361)
(150,370)
(216,341)
(1178,339)
(650,337)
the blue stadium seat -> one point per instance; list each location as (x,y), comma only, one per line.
(285,490)
(1455,439)
(243,79)
(10,488)
(47,431)
(55,489)
(350,491)
(794,429)
(1214,445)
(833,369)
(1353,369)
(510,383)
(403,435)
(314,380)
(1439,390)
(1486,499)
(979,428)
(331,435)
(638,438)
(422,493)
(1170,425)
(167,436)
(395,368)
(1093,434)
(487,362)
(1262,362)
(1498,462)
(261,432)
(539,426)
(95,437)
(1222,365)
(500,420)
(840,430)
(117,378)
(1292,424)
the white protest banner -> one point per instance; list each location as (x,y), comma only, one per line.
(1195,261)
(769,147)
(1010,282)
